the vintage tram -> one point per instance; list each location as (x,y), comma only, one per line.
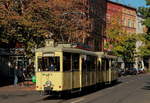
(63,68)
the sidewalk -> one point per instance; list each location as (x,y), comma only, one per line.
(28,86)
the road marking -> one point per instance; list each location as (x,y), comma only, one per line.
(77,101)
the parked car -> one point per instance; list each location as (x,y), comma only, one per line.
(141,70)
(121,72)
(131,71)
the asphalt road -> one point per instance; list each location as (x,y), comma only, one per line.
(129,89)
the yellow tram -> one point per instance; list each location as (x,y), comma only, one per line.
(65,68)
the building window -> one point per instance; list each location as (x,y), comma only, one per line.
(124,22)
(129,23)
(108,18)
(133,24)
(139,25)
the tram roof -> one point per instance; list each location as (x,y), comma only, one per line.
(67,48)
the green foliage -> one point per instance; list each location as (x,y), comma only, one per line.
(148,2)
(147,22)
(145,13)
(126,48)
(145,50)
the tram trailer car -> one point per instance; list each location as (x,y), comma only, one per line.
(63,68)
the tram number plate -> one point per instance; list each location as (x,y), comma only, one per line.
(47,74)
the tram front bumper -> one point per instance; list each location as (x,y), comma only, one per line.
(48,86)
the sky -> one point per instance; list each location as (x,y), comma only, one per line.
(133,3)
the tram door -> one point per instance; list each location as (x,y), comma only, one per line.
(103,70)
(75,72)
(84,71)
(107,69)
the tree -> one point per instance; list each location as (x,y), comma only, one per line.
(126,47)
(30,22)
(74,17)
(145,12)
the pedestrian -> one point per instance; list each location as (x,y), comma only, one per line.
(15,76)
(21,76)
(52,68)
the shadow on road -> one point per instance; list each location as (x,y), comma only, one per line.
(5,81)
(79,94)
(147,86)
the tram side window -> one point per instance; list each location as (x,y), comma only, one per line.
(88,63)
(66,61)
(75,62)
(107,64)
(49,64)
(40,64)
(99,66)
(103,67)
(83,65)
(93,63)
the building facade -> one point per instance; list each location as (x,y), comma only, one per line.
(123,14)
(140,30)
(129,19)
(119,17)
(96,16)
(113,18)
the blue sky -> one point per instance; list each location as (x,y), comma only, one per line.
(133,3)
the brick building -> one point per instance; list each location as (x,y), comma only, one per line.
(95,23)
(129,19)
(126,15)
(113,17)
(122,15)
(97,15)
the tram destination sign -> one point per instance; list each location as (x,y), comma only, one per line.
(48,54)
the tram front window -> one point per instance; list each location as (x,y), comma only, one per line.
(49,64)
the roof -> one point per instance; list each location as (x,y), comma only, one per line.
(67,48)
(127,6)
(62,48)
